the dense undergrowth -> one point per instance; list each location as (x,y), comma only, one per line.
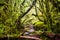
(15,15)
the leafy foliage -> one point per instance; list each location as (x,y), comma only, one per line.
(43,14)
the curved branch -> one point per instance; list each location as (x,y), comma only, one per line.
(33,3)
(18,21)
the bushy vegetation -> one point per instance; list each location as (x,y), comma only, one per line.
(44,15)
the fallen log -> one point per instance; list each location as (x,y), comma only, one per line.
(30,37)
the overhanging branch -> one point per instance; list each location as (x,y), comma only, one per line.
(18,21)
(33,3)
